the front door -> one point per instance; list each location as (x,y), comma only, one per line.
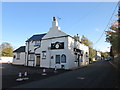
(38,61)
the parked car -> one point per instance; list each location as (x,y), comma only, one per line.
(108,58)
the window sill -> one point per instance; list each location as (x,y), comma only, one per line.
(37,45)
(43,58)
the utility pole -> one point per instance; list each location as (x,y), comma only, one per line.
(118,28)
(119,17)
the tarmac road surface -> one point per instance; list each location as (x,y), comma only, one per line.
(100,74)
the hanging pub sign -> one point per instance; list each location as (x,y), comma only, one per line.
(77,50)
(57,45)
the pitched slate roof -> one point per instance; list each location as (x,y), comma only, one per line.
(20,49)
(36,37)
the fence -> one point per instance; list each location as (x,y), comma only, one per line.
(6,59)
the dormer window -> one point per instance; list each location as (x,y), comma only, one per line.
(37,43)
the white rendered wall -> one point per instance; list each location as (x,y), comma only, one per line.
(51,37)
(72,57)
(48,62)
(30,63)
(20,61)
(31,48)
(75,44)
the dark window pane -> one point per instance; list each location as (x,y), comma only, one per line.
(57,59)
(63,59)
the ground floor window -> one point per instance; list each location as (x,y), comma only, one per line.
(43,54)
(18,55)
(63,58)
(32,56)
(57,59)
(81,58)
(86,54)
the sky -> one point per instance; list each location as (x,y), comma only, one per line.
(21,20)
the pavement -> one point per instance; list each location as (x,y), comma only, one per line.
(116,65)
(100,74)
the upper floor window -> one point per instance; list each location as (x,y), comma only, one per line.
(31,56)
(37,43)
(43,54)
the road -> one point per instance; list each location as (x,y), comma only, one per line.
(10,74)
(100,74)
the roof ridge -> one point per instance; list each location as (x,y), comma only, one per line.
(39,34)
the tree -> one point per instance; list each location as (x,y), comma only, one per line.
(6,49)
(113,38)
(86,41)
(92,52)
(104,54)
(75,37)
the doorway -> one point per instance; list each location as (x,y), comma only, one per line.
(78,60)
(38,61)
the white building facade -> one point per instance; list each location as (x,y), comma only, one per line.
(55,49)
(19,56)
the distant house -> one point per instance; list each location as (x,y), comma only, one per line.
(98,55)
(55,49)
(19,56)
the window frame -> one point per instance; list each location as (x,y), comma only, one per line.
(58,61)
(18,56)
(31,57)
(63,61)
(44,54)
(37,43)
(86,54)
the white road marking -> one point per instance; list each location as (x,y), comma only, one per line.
(80,78)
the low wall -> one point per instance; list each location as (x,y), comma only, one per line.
(6,59)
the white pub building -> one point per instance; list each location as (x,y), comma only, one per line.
(52,49)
